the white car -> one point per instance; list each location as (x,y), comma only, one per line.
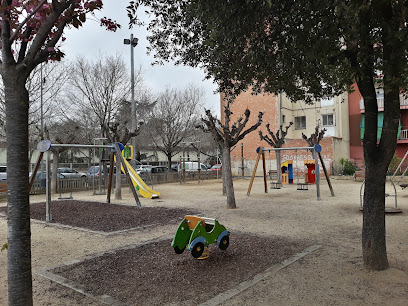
(71,173)
(143,169)
(192,166)
(3,173)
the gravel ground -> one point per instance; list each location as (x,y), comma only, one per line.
(286,220)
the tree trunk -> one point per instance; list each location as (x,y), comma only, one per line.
(373,235)
(378,156)
(377,159)
(169,161)
(227,177)
(19,234)
(224,186)
(89,158)
(118,182)
(55,163)
(278,167)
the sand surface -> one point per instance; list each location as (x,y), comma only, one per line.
(331,275)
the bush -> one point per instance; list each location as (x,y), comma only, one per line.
(348,166)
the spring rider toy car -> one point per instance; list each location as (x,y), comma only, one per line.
(196,233)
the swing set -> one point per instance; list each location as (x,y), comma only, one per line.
(44,146)
(286,168)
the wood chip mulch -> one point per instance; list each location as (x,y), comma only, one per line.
(104,217)
(154,274)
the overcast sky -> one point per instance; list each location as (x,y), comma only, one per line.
(92,39)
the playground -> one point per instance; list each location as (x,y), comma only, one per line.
(286,248)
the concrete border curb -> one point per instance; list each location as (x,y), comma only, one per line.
(223,297)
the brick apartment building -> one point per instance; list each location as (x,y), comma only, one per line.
(331,114)
(356,114)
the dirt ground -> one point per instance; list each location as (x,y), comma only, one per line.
(330,274)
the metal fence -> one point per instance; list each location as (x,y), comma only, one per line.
(151,179)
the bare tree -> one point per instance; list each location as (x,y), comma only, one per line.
(174,118)
(227,135)
(144,104)
(314,139)
(277,141)
(44,86)
(100,88)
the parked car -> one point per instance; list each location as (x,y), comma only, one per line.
(217,167)
(192,166)
(158,169)
(3,173)
(143,169)
(71,173)
(38,175)
(94,171)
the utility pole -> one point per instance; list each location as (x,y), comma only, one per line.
(133,43)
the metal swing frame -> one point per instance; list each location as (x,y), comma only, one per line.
(45,145)
(261,152)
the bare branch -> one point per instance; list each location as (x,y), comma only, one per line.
(276,141)
(315,137)
(252,128)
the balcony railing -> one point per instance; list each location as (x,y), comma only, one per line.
(380,102)
(403,135)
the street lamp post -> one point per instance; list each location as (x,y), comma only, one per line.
(133,43)
(42,116)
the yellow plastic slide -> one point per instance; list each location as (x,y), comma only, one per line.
(141,186)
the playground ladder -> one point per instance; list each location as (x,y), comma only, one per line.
(398,168)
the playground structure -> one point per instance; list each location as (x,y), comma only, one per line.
(403,172)
(197,233)
(144,190)
(310,176)
(287,172)
(393,192)
(135,182)
(288,166)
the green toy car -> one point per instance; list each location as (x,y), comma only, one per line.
(195,233)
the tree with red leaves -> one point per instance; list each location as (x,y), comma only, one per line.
(31,33)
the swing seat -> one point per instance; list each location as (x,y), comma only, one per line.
(273,174)
(303,186)
(275,185)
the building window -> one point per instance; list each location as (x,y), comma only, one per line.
(328,120)
(327,102)
(300,123)
(283,119)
